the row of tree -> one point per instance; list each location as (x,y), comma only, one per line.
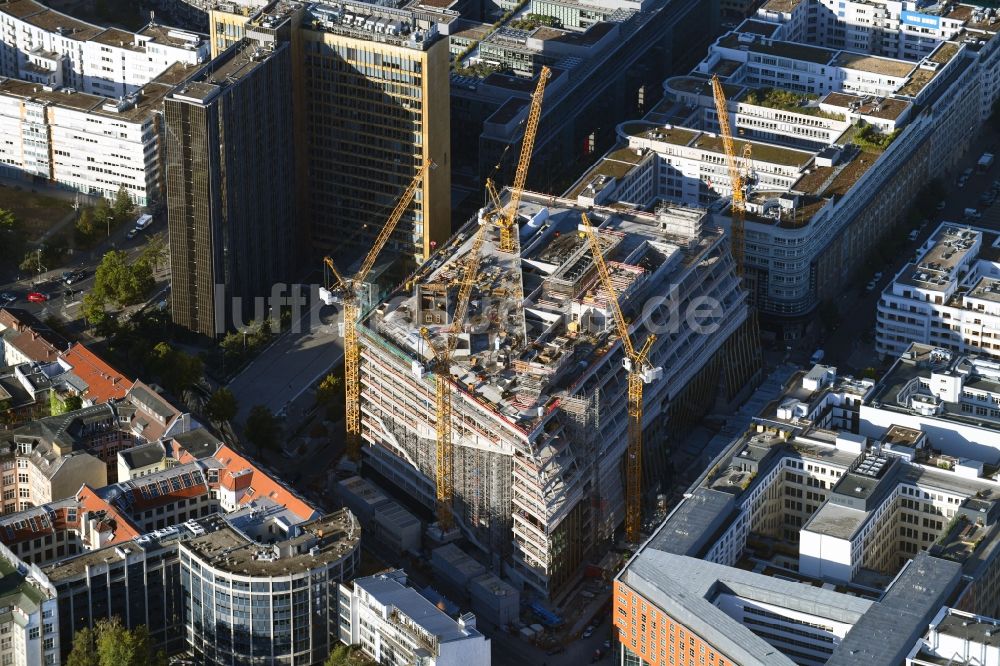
(99,220)
(120,283)
(110,643)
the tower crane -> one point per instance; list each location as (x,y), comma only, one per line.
(640,372)
(442,374)
(736,179)
(507,216)
(348,289)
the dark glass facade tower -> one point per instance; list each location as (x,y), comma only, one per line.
(230,180)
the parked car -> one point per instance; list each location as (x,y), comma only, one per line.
(871,286)
(37,297)
(74,277)
(877,276)
(913,235)
(6,298)
(941,205)
(817,356)
(131,233)
(588,632)
(607,644)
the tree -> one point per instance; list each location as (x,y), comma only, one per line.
(111,644)
(117,280)
(11,236)
(330,394)
(7,220)
(177,371)
(103,216)
(58,405)
(262,428)
(124,207)
(93,308)
(221,406)
(155,252)
(85,224)
(348,655)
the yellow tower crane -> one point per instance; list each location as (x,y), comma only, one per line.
(348,289)
(736,179)
(507,216)
(442,374)
(640,372)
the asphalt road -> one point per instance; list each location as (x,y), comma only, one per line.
(49,283)
(295,361)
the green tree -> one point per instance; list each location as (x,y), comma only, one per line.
(330,394)
(233,345)
(103,216)
(85,224)
(344,655)
(123,283)
(177,371)
(11,236)
(111,644)
(262,428)
(124,207)
(58,405)
(94,308)
(221,406)
(7,220)
(155,252)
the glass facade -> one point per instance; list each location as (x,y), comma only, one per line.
(239,619)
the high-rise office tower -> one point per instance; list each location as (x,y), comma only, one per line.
(230,173)
(372,104)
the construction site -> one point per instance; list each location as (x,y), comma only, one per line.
(542,394)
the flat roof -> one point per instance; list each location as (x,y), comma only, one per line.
(388,590)
(840,522)
(888,108)
(335,534)
(791,50)
(873,64)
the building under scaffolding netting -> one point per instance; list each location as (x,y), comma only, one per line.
(539,390)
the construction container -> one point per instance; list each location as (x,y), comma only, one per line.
(494,600)
(388,526)
(453,566)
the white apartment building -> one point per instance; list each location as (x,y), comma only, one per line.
(41,45)
(29,619)
(394,625)
(948,296)
(85,142)
(953,399)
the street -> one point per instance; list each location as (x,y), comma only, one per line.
(295,361)
(851,347)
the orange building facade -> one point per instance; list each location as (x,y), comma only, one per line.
(650,636)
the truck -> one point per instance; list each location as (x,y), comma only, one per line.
(985,162)
(143,222)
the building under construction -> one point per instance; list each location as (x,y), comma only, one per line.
(539,418)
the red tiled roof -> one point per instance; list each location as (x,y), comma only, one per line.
(17,527)
(90,502)
(263,485)
(104,382)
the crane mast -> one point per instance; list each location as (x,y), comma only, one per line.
(348,288)
(736,179)
(507,216)
(640,372)
(442,384)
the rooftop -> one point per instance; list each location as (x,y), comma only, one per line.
(888,108)
(390,589)
(791,50)
(514,364)
(873,64)
(103,382)
(319,542)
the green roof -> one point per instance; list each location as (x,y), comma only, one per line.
(15,588)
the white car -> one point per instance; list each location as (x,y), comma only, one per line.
(588,632)
(871,286)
